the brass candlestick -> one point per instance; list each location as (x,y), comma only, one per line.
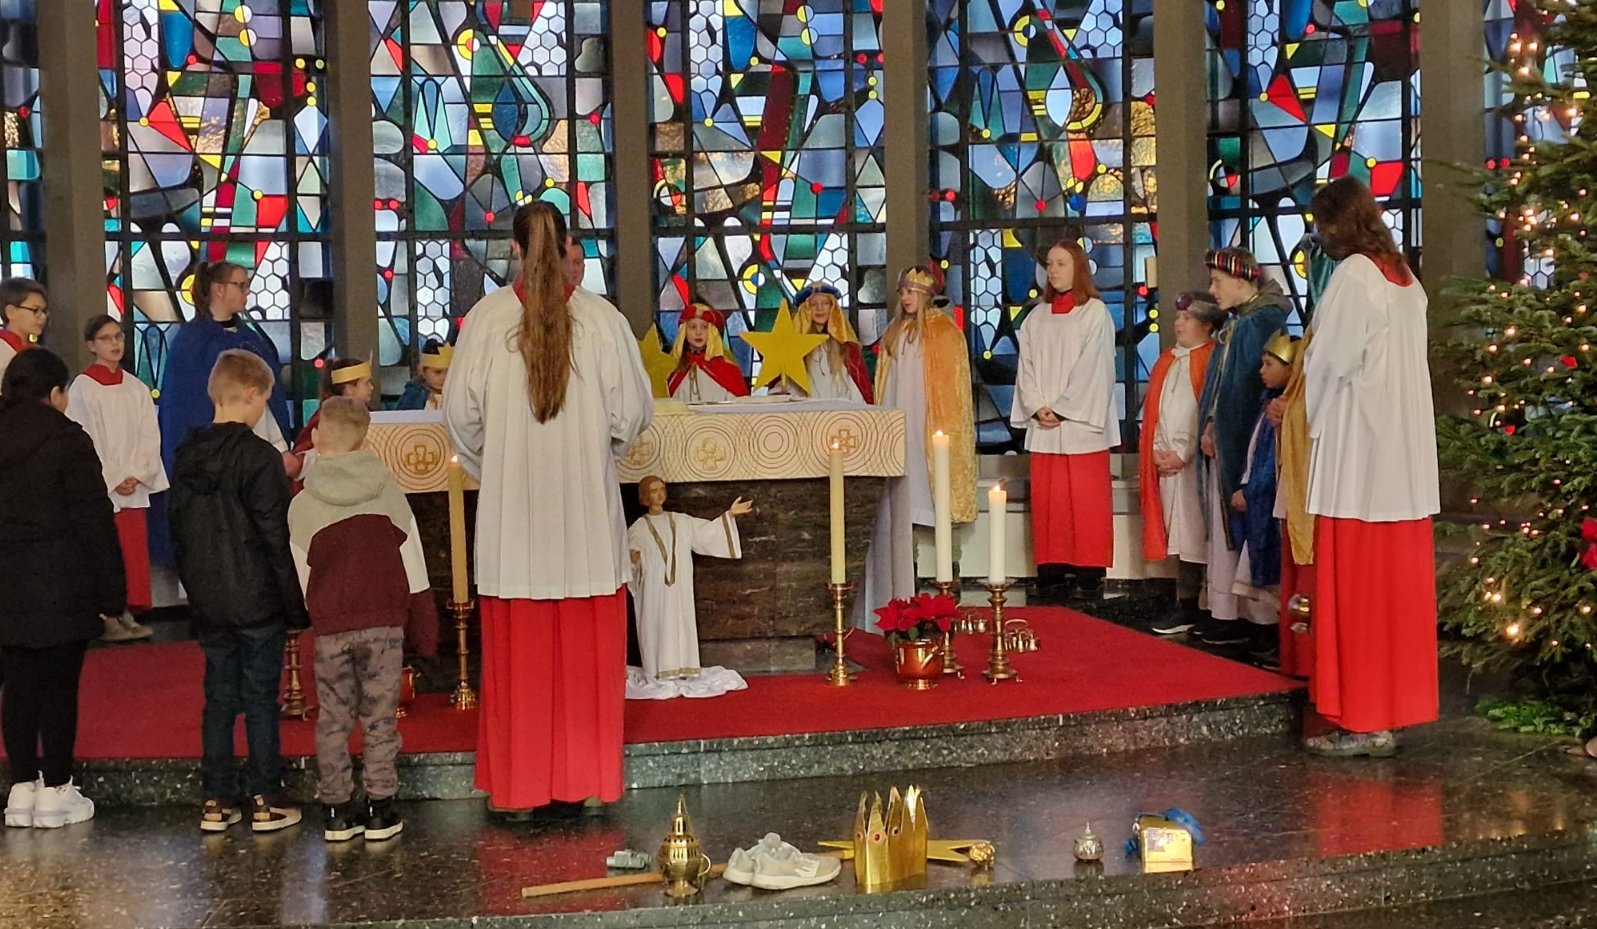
(840,675)
(464,698)
(998,667)
(950,661)
(294,705)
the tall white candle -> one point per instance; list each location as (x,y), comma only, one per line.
(839,568)
(459,589)
(998,516)
(942,525)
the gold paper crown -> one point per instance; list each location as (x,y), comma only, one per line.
(439,360)
(352,373)
(1283,347)
(890,844)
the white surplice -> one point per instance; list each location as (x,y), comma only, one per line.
(549,518)
(662,585)
(1067,364)
(906,501)
(1367,387)
(698,387)
(825,383)
(121,421)
(1185,532)
(7,353)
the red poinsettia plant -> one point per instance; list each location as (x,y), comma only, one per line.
(1588,534)
(922,616)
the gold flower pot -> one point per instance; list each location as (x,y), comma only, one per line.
(919,662)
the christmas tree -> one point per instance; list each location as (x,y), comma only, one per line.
(1524,597)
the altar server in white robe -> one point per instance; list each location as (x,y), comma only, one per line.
(24,306)
(1065,400)
(1373,485)
(546,391)
(661,546)
(923,368)
(115,409)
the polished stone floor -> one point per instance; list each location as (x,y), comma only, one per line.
(1261,802)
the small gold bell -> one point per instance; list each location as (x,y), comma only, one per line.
(1088,846)
(682,862)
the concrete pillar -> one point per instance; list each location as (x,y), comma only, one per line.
(74,206)
(1452,49)
(634,190)
(352,181)
(906,137)
(1182,137)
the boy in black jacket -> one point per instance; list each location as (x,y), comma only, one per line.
(229,512)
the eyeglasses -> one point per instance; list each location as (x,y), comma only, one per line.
(243,286)
(36,310)
(111,338)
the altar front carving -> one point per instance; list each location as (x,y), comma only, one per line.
(763,612)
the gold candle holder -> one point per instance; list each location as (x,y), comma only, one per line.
(294,705)
(950,661)
(998,667)
(464,698)
(840,675)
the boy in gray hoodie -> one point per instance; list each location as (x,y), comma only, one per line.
(359,557)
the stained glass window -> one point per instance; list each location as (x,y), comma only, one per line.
(22,230)
(1042,126)
(216,148)
(766,134)
(1303,92)
(477,110)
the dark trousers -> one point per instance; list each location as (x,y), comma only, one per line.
(41,710)
(243,668)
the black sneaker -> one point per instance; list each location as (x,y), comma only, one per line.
(1181,619)
(1222,632)
(382,820)
(266,815)
(216,815)
(342,822)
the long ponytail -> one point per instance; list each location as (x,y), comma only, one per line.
(544,338)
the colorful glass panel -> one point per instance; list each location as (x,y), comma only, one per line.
(1303,92)
(216,148)
(766,124)
(22,225)
(1042,126)
(479,108)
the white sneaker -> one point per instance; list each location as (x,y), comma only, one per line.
(54,807)
(134,628)
(115,631)
(19,805)
(788,868)
(742,865)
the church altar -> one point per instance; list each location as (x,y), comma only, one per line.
(760,613)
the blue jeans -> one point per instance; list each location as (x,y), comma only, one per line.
(243,668)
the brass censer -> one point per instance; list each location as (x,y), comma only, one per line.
(682,862)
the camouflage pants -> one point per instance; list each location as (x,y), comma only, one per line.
(358,676)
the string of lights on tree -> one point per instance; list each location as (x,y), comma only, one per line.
(1522,345)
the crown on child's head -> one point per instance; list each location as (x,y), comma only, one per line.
(1284,347)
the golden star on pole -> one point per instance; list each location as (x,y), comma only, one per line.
(951,850)
(782,351)
(656,361)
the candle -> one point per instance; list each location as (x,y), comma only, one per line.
(1150,272)
(943,530)
(997,514)
(459,590)
(839,569)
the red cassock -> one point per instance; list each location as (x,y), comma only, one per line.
(1072,510)
(719,369)
(553,703)
(1374,624)
(132,533)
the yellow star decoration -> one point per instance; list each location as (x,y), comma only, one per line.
(656,361)
(782,351)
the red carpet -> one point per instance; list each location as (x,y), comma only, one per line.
(144,701)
